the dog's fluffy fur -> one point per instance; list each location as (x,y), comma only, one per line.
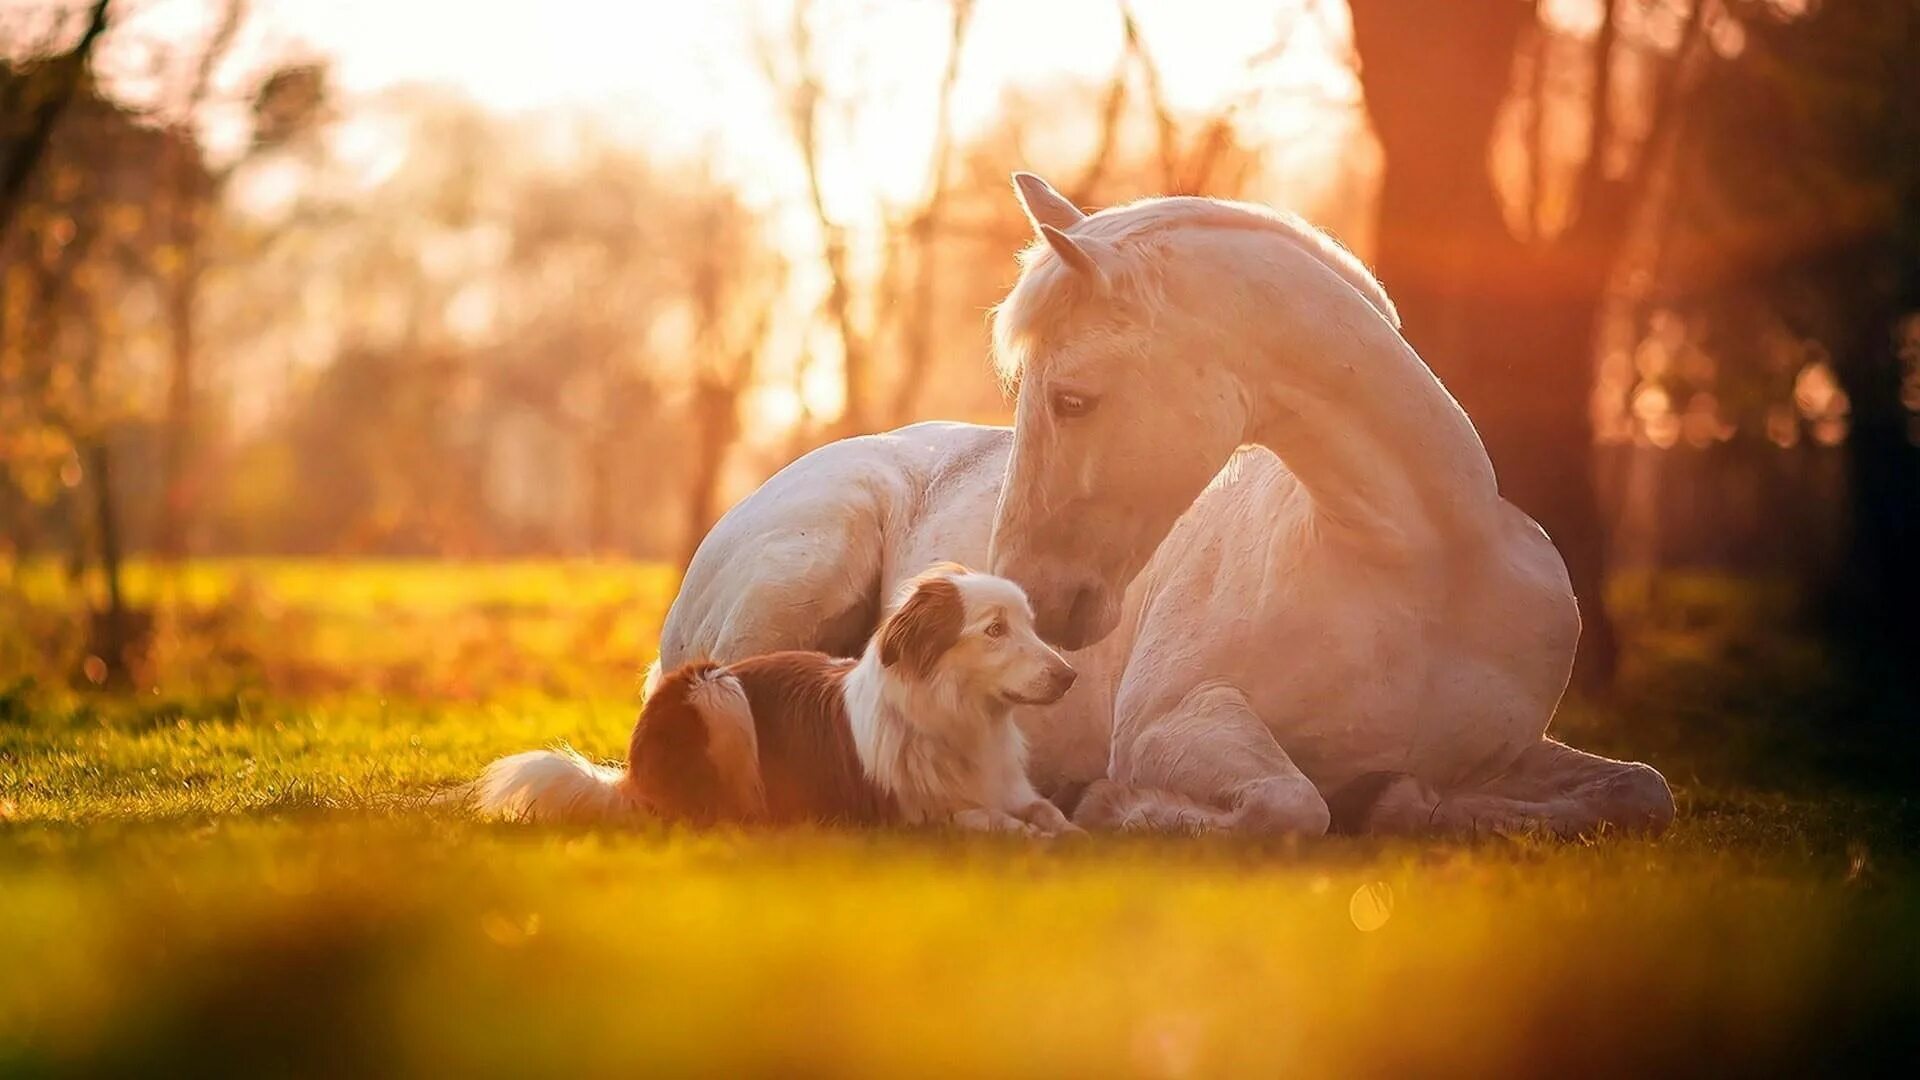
(917,730)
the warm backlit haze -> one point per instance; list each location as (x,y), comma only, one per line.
(548,255)
(370,370)
(1259,102)
(684,82)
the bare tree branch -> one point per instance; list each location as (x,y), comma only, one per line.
(1111,109)
(1156,96)
(1215,134)
(68,70)
(1536,196)
(1668,101)
(927,225)
(193,192)
(1593,172)
(231,17)
(803,91)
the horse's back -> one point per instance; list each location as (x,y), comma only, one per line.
(805,561)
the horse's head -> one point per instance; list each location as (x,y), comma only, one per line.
(1129,402)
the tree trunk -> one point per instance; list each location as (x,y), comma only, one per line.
(21,155)
(926,235)
(1878,590)
(716,408)
(1883,550)
(1507,325)
(114,634)
(599,470)
(1434,78)
(177,445)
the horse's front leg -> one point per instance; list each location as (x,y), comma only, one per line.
(1551,788)
(1207,763)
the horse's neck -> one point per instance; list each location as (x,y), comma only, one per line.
(1384,452)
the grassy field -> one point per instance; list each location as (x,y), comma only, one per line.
(231,869)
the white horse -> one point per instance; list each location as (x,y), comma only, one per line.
(1272,534)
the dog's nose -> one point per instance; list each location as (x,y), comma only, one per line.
(1061,678)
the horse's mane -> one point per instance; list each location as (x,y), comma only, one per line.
(1133,273)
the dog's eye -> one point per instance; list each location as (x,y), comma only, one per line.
(1068,405)
(997,628)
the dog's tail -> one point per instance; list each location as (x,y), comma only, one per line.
(555,786)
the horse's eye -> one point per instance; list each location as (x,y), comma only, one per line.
(1067,404)
(996,628)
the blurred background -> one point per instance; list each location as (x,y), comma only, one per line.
(423,278)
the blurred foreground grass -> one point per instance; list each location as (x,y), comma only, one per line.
(230,869)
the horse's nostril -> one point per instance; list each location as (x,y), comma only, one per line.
(1077,620)
(1084,606)
(1071,614)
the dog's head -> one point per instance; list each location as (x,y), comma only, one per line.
(975,632)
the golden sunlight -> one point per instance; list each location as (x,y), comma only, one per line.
(518,554)
(703,83)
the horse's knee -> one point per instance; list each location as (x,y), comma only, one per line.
(1639,800)
(1281,805)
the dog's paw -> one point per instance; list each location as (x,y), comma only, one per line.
(1066,831)
(1046,819)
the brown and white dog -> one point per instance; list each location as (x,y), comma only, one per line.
(917,730)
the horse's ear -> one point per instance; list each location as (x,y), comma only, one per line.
(1071,253)
(1044,205)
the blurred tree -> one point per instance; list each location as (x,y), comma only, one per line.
(32,98)
(888,321)
(1799,212)
(79,317)
(1106,141)
(1502,294)
(795,69)
(588,280)
(666,284)
(114,257)
(921,235)
(185,193)
(733,286)
(1187,155)
(286,104)
(383,294)
(516,335)
(1047,130)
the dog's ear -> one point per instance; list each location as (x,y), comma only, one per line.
(925,627)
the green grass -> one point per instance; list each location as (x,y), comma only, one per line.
(238,873)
